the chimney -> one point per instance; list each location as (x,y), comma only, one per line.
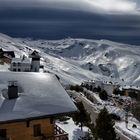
(12,90)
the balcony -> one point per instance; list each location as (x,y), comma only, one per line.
(59,134)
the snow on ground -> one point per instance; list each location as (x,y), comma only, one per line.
(131,132)
(4,67)
(73,130)
(91,59)
(76,60)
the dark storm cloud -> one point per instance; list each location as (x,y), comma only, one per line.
(55,20)
(121,6)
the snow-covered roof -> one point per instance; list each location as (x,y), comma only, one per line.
(21,60)
(40,95)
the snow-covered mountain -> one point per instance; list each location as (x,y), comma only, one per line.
(75,60)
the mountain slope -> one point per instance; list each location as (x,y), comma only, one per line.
(75,60)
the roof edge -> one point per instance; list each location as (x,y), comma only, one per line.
(37,118)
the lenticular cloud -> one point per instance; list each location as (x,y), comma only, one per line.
(114,5)
(128,6)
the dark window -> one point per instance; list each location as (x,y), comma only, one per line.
(19,64)
(14,69)
(28,123)
(2,133)
(19,69)
(37,130)
(51,120)
(14,64)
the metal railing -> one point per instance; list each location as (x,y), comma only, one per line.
(59,134)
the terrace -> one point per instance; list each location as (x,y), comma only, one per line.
(59,134)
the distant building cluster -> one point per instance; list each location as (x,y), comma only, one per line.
(21,64)
(111,87)
(24,64)
(107,86)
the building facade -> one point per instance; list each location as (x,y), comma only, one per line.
(25,64)
(6,56)
(35,64)
(21,65)
(38,129)
(28,105)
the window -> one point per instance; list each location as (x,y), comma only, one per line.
(37,130)
(14,64)
(2,133)
(19,64)
(19,69)
(51,120)
(14,69)
(27,123)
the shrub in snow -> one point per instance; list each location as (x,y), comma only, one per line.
(118,92)
(98,89)
(133,95)
(82,118)
(104,128)
(77,88)
(115,117)
(103,95)
(136,111)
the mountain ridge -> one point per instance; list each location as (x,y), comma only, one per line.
(76,60)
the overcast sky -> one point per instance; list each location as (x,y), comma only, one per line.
(117,20)
(109,6)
